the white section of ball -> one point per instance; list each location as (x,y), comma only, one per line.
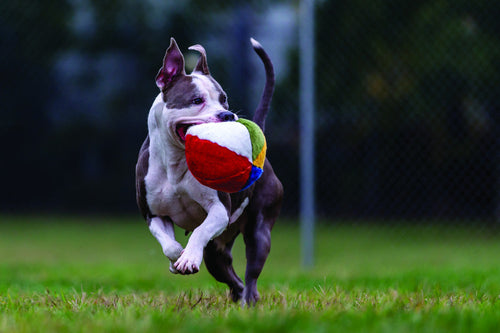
(231,134)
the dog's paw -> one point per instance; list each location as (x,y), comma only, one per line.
(189,262)
(236,294)
(173,252)
(250,297)
(172,269)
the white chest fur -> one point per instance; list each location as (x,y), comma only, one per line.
(185,202)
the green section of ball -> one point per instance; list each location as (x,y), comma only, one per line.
(256,137)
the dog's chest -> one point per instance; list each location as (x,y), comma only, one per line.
(165,199)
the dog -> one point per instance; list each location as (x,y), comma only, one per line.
(168,194)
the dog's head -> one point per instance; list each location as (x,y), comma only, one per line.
(189,99)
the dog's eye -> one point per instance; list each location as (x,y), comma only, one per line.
(222,99)
(198,100)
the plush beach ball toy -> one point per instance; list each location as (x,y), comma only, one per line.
(226,156)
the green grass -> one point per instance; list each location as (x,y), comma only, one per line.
(69,275)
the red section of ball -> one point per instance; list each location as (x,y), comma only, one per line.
(215,166)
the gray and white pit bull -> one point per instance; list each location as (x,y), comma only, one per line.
(168,194)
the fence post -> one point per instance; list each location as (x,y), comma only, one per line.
(496,124)
(307,153)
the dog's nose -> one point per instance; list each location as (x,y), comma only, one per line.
(226,116)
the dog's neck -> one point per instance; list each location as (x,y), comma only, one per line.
(165,152)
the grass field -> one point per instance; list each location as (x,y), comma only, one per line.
(68,275)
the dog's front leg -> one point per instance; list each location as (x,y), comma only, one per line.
(214,224)
(163,230)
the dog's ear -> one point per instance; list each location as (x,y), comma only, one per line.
(202,65)
(173,65)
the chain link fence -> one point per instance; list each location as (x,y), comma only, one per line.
(407,101)
(407,116)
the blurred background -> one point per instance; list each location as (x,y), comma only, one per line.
(407,110)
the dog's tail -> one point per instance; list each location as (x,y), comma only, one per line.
(261,112)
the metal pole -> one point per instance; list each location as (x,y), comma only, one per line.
(496,124)
(307,178)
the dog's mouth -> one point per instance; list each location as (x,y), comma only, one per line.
(181,130)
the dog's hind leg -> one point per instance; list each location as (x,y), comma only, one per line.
(257,238)
(219,263)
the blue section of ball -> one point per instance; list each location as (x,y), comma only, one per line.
(254,175)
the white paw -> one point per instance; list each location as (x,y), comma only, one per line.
(173,252)
(172,269)
(189,262)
